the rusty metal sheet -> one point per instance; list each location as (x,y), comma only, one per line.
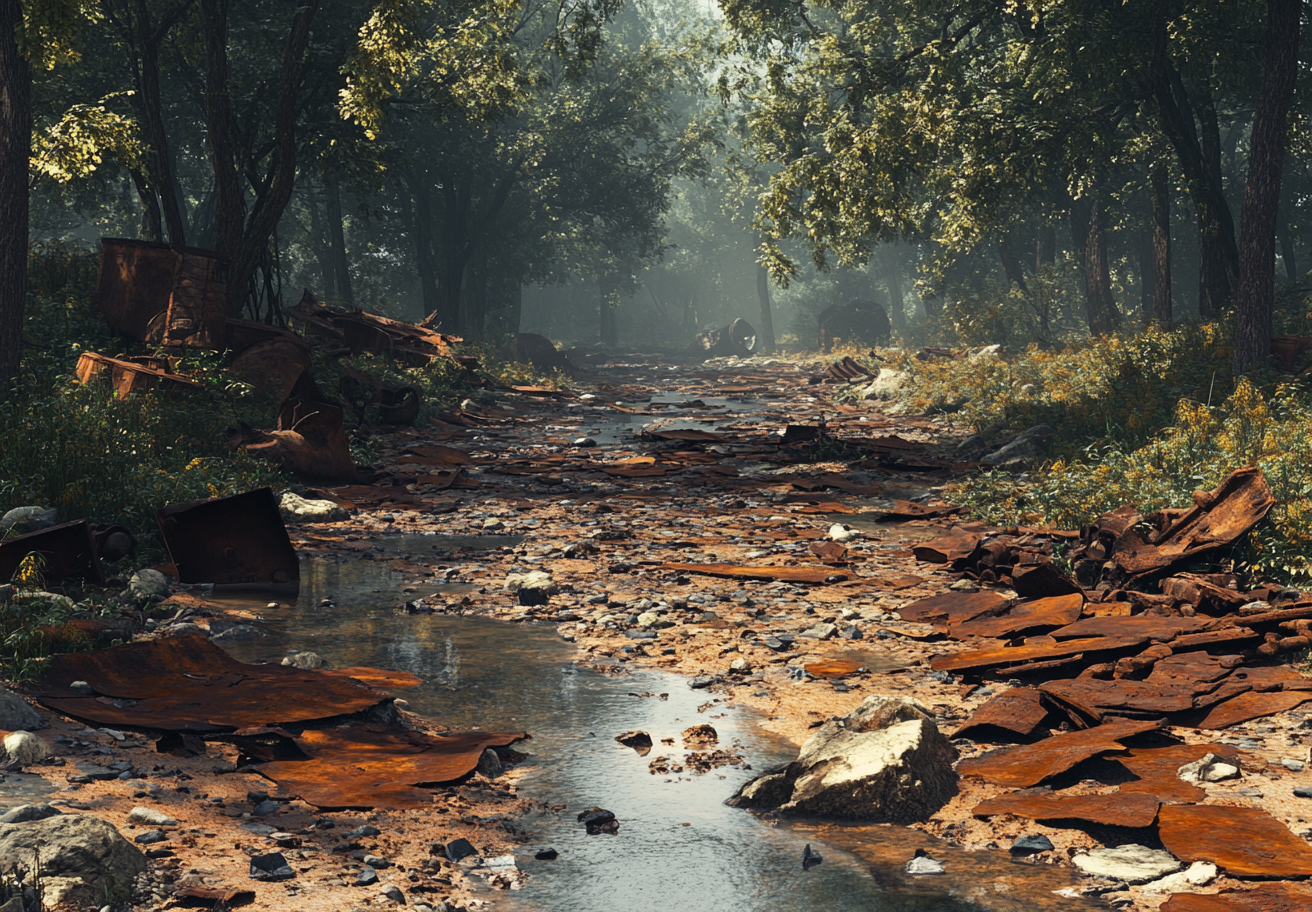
(1245,842)
(236,543)
(274,365)
(210,898)
(186,683)
(1041,581)
(311,440)
(1019,711)
(909,509)
(361,767)
(1218,518)
(686,436)
(1028,765)
(1097,699)
(974,661)
(1133,809)
(785,574)
(831,668)
(1151,628)
(957,545)
(1024,617)
(1249,706)
(67,550)
(126,377)
(1167,791)
(379,678)
(1165,762)
(1264,898)
(954,607)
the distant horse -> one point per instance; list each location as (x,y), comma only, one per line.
(862,321)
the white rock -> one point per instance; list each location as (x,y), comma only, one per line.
(923,864)
(1198,874)
(24,749)
(1208,769)
(297,509)
(741,666)
(1134,864)
(305,660)
(534,579)
(150,817)
(841,533)
(147,584)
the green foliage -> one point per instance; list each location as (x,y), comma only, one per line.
(36,625)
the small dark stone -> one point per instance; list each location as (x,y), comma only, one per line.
(810,858)
(367,877)
(1028,845)
(533,596)
(457,849)
(1303,791)
(547,855)
(265,808)
(703,681)
(271,867)
(599,820)
(365,830)
(850,633)
(642,634)
(150,836)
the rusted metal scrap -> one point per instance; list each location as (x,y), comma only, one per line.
(1014,714)
(1263,898)
(1024,617)
(1246,842)
(1027,765)
(132,375)
(236,542)
(162,294)
(368,767)
(275,364)
(848,371)
(310,440)
(738,338)
(186,683)
(66,551)
(952,608)
(361,332)
(395,404)
(773,574)
(1132,809)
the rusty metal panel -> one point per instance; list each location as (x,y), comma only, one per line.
(1132,809)
(68,551)
(1264,898)
(1019,712)
(236,543)
(197,308)
(1030,764)
(954,607)
(1246,842)
(1025,617)
(1249,706)
(128,376)
(134,283)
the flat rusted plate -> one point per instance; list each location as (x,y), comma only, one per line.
(786,574)
(1245,842)
(1167,791)
(1028,765)
(1265,898)
(1096,699)
(186,683)
(832,668)
(365,768)
(953,607)
(980,660)
(1219,518)
(1155,628)
(236,542)
(956,545)
(1249,706)
(1024,617)
(1133,809)
(1165,762)
(380,678)
(1018,712)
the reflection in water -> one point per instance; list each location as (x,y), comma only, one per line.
(678,845)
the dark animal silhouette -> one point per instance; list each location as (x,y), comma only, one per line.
(862,321)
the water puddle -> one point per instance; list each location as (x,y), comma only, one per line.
(677,842)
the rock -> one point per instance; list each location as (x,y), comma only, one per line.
(16,714)
(489,764)
(547,855)
(887,386)
(1294,766)
(392,893)
(296,509)
(1303,791)
(376,862)
(841,533)
(186,628)
(1198,874)
(15,904)
(150,817)
(533,588)
(21,520)
(305,660)
(640,741)
(599,820)
(701,682)
(885,762)
(82,859)
(24,749)
(271,867)
(699,735)
(363,830)
(1028,845)
(493,525)
(1030,445)
(239,632)
(740,666)
(922,864)
(25,813)
(819,632)
(265,808)
(148,584)
(584,442)
(150,837)
(810,858)
(1208,769)
(457,849)
(1134,864)
(367,877)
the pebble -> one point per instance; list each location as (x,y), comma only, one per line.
(923,864)
(392,892)
(367,877)
(1027,845)
(365,830)
(150,836)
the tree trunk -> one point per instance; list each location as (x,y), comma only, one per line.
(321,245)
(897,312)
(1102,313)
(163,180)
(1011,265)
(1287,256)
(1147,274)
(1266,159)
(476,294)
(423,215)
(15,150)
(455,256)
(1160,184)
(608,332)
(229,204)
(152,229)
(515,309)
(767,314)
(337,241)
(1045,246)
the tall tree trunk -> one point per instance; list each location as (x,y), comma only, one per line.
(152,229)
(322,245)
(1045,246)
(163,180)
(1147,274)
(423,214)
(897,306)
(767,312)
(1011,265)
(1266,159)
(476,294)
(337,240)
(1160,184)
(455,256)
(1287,256)
(15,150)
(1101,306)
(515,309)
(229,204)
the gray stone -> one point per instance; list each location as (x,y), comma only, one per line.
(82,858)
(392,893)
(148,584)
(145,816)
(1028,845)
(273,866)
(186,628)
(305,660)
(887,386)
(21,520)
(1208,769)
(24,749)
(15,904)
(265,808)
(489,764)
(1030,445)
(16,714)
(150,837)
(367,877)
(885,762)
(539,580)
(239,632)
(1198,874)
(1134,864)
(25,813)
(923,864)
(819,632)
(297,509)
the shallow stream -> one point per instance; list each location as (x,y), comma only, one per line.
(679,847)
